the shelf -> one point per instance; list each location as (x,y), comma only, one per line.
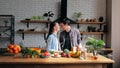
(28,32)
(34,21)
(45,21)
(4,37)
(107,49)
(6,16)
(91,23)
(93,33)
(4,26)
(32,32)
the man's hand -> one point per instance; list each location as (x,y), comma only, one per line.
(79,47)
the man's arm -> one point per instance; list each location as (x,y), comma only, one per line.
(79,47)
(78,37)
(61,39)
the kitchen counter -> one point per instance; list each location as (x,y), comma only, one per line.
(13,62)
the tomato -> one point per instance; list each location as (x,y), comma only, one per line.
(46,54)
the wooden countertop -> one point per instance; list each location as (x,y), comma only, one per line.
(13,60)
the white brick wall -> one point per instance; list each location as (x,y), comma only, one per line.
(28,8)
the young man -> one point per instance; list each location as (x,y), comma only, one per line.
(69,37)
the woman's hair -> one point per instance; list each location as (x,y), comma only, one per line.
(51,28)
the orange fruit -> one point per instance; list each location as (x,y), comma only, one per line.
(10,50)
(11,46)
(37,48)
(16,51)
(19,48)
(15,48)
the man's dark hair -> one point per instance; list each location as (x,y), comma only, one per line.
(65,22)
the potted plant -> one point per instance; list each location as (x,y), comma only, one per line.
(95,45)
(77,15)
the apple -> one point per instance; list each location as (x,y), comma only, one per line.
(68,55)
(56,54)
(63,54)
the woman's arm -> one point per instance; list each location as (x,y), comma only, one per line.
(59,47)
(52,44)
(49,43)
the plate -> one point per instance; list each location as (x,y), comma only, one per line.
(56,56)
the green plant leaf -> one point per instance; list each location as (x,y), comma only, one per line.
(100,42)
(34,52)
(95,44)
(39,17)
(78,15)
(89,43)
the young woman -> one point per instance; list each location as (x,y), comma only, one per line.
(52,40)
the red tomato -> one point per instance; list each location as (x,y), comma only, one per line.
(46,54)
